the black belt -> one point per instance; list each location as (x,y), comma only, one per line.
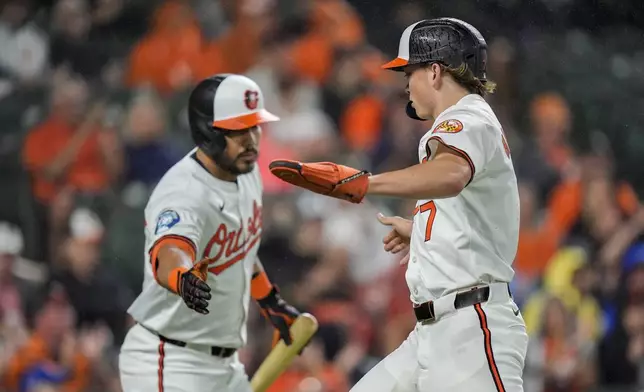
(216,351)
(222,352)
(425,311)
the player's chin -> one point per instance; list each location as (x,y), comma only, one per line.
(245,166)
(421,111)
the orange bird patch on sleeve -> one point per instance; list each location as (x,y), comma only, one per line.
(449,126)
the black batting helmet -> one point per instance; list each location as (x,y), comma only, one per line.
(448,41)
(224,103)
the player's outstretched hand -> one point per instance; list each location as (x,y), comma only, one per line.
(280,314)
(398,238)
(325,178)
(193,289)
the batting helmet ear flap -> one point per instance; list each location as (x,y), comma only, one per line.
(411,112)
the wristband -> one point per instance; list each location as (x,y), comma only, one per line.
(174,279)
(260,286)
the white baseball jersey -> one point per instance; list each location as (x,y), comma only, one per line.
(471,238)
(222,221)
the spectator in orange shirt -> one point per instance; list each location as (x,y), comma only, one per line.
(71,151)
(362,122)
(590,205)
(597,207)
(164,58)
(175,53)
(339,22)
(539,239)
(51,350)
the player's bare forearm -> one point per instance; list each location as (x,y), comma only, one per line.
(175,270)
(169,258)
(444,176)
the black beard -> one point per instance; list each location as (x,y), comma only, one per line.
(230,165)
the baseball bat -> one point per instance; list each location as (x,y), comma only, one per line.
(281,356)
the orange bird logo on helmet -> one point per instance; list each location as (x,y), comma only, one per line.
(251,98)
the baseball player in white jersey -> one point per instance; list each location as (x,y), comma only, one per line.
(463,236)
(203,228)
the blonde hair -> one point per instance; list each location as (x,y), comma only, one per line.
(464,77)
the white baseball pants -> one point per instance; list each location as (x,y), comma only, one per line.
(149,365)
(477,348)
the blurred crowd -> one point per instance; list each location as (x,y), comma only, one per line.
(92,107)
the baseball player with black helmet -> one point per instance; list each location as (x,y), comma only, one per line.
(203,228)
(463,236)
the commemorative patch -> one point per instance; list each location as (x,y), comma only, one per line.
(449,126)
(166,220)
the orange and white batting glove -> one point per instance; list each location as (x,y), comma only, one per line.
(325,178)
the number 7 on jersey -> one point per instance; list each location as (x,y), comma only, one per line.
(430,207)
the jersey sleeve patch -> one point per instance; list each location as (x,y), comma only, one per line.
(166,220)
(449,126)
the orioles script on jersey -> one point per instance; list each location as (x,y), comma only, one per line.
(227,246)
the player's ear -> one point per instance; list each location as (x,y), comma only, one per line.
(434,72)
(433,69)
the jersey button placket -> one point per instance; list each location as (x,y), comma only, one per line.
(240,211)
